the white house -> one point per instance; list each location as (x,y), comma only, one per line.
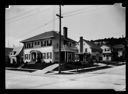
(45,47)
(106,53)
(16,55)
(87,47)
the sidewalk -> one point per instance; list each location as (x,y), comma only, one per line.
(74,71)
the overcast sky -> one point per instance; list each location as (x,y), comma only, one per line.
(90,21)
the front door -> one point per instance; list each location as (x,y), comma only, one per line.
(33,56)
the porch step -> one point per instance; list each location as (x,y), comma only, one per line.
(32,62)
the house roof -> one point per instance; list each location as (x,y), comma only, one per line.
(92,45)
(45,35)
(118,46)
(17,50)
(106,45)
(7,51)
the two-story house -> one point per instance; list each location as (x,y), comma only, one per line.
(86,47)
(45,47)
(106,53)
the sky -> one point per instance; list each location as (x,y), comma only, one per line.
(90,21)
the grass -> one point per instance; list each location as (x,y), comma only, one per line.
(69,66)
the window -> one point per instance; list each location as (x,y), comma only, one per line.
(26,56)
(44,43)
(35,42)
(41,43)
(24,45)
(43,55)
(28,45)
(32,44)
(108,49)
(49,42)
(51,55)
(57,45)
(14,52)
(38,43)
(48,55)
(85,49)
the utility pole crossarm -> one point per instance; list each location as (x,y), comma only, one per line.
(59,16)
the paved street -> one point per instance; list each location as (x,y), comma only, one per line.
(110,78)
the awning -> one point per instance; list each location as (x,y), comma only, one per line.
(36,51)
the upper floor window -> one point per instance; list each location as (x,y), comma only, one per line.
(35,42)
(24,45)
(85,49)
(38,43)
(32,44)
(41,43)
(49,42)
(44,43)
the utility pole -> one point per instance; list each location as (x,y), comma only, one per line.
(59,37)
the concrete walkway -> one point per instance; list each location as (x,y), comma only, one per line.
(45,70)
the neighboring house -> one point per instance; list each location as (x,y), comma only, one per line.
(87,47)
(45,47)
(16,55)
(120,50)
(7,52)
(106,53)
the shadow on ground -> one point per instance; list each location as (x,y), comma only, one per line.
(83,70)
(93,69)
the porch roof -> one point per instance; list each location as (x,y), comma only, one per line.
(67,49)
(37,51)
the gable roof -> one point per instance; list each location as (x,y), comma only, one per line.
(92,45)
(17,50)
(45,35)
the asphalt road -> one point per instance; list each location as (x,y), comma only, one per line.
(110,78)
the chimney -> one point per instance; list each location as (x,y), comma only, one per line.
(65,30)
(81,44)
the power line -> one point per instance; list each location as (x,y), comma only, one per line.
(74,11)
(45,24)
(26,12)
(80,12)
(21,18)
(51,21)
(17,16)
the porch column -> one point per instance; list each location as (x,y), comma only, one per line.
(36,56)
(65,56)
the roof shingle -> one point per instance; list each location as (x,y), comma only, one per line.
(44,35)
